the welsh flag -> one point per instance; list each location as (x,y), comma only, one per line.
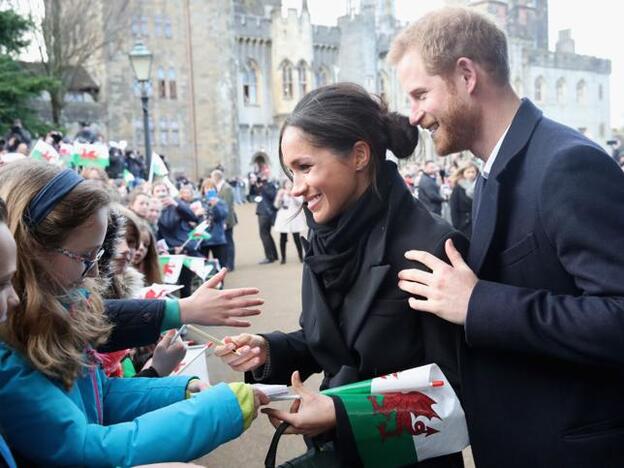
(45,152)
(91,155)
(158,166)
(405,417)
(128,176)
(170,267)
(68,153)
(198,266)
(158,291)
(200,232)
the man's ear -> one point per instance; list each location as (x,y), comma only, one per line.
(361,155)
(466,74)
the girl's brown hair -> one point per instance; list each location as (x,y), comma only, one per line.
(51,335)
(150,267)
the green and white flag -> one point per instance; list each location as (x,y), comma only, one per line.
(157,168)
(170,267)
(200,232)
(68,154)
(91,155)
(45,152)
(198,266)
(128,176)
(405,417)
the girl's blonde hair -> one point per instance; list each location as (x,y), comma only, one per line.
(50,327)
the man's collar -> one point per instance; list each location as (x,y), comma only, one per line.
(490,161)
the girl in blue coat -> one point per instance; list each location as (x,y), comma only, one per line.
(58,408)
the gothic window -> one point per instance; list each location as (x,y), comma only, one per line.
(322,77)
(163,132)
(157,25)
(540,89)
(581,91)
(561,91)
(174,133)
(173,90)
(162,83)
(383,86)
(250,76)
(600,91)
(287,80)
(601,130)
(302,74)
(167,27)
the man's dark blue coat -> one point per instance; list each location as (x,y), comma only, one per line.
(543,376)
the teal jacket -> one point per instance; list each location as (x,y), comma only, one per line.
(110,422)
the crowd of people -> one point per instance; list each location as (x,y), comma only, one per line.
(519,301)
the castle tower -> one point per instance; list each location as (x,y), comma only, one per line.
(291,60)
(358,64)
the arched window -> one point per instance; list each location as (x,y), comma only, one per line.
(581,92)
(601,130)
(322,77)
(287,80)
(302,74)
(163,131)
(561,91)
(162,83)
(540,89)
(518,86)
(173,89)
(250,83)
(382,86)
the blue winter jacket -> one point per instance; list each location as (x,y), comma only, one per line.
(219,214)
(110,422)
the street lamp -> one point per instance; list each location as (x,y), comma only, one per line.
(141,61)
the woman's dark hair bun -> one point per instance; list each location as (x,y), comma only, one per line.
(402,136)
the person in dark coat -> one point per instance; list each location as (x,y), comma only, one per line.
(356,323)
(460,203)
(429,190)
(541,293)
(266,211)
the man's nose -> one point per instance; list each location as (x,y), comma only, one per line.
(416,116)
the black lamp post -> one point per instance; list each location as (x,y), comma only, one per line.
(141,61)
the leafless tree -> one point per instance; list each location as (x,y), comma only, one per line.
(74,32)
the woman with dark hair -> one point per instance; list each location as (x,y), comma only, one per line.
(356,323)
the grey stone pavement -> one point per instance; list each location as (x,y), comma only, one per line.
(281,289)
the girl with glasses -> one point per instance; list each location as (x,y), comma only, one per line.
(58,407)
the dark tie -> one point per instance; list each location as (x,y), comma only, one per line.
(478,193)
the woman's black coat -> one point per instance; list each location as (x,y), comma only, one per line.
(379,333)
(460,206)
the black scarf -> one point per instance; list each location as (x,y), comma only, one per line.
(336,249)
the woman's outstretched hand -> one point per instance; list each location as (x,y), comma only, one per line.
(311,415)
(210,306)
(244,352)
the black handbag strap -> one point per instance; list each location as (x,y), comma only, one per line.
(269,461)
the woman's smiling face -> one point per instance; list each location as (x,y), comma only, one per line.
(327,181)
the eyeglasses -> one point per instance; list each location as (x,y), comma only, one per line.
(86,261)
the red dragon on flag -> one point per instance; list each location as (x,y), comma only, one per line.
(405,407)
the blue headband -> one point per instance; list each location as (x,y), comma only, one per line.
(49,196)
